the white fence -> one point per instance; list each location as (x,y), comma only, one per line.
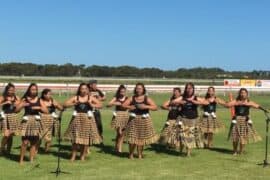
(151,88)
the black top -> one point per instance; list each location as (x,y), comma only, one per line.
(28,109)
(51,108)
(9,108)
(241,110)
(211,107)
(83,107)
(120,108)
(189,109)
(174,111)
(138,111)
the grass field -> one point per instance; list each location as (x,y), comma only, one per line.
(158,163)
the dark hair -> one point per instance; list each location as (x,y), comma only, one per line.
(175,89)
(8,86)
(185,95)
(239,93)
(27,93)
(117,94)
(207,94)
(82,84)
(140,84)
(44,92)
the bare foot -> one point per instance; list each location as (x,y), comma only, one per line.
(131,156)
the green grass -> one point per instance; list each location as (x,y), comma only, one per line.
(158,163)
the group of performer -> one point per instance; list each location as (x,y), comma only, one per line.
(184,128)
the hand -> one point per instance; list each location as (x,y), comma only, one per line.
(132,108)
(142,106)
(36,107)
(117,104)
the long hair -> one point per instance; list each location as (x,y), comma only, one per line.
(44,92)
(8,86)
(79,88)
(139,84)
(207,95)
(27,93)
(238,98)
(175,89)
(185,95)
(117,94)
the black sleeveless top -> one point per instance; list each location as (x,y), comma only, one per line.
(51,108)
(211,107)
(83,107)
(174,112)
(120,108)
(241,110)
(189,110)
(9,108)
(138,111)
(28,109)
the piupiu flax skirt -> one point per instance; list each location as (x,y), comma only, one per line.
(120,120)
(191,136)
(208,124)
(11,123)
(170,134)
(31,127)
(243,132)
(140,131)
(50,126)
(83,130)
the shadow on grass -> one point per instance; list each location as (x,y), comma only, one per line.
(109,149)
(163,149)
(221,150)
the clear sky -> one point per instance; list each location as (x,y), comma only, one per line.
(168,34)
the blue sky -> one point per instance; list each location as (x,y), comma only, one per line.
(168,34)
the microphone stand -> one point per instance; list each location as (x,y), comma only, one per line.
(58,170)
(265,162)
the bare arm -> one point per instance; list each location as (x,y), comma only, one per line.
(95,103)
(70,102)
(58,105)
(113,102)
(166,105)
(127,104)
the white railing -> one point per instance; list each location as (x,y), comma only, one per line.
(150,88)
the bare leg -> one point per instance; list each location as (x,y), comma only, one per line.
(121,140)
(117,141)
(3,144)
(242,147)
(235,145)
(188,152)
(34,144)
(210,140)
(47,146)
(131,150)
(23,150)
(74,152)
(140,152)
(205,140)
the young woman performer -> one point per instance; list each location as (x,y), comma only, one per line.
(209,123)
(9,118)
(49,120)
(82,129)
(31,127)
(242,130)
(169,132)
(191,135)
(139,130)
(120,116)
